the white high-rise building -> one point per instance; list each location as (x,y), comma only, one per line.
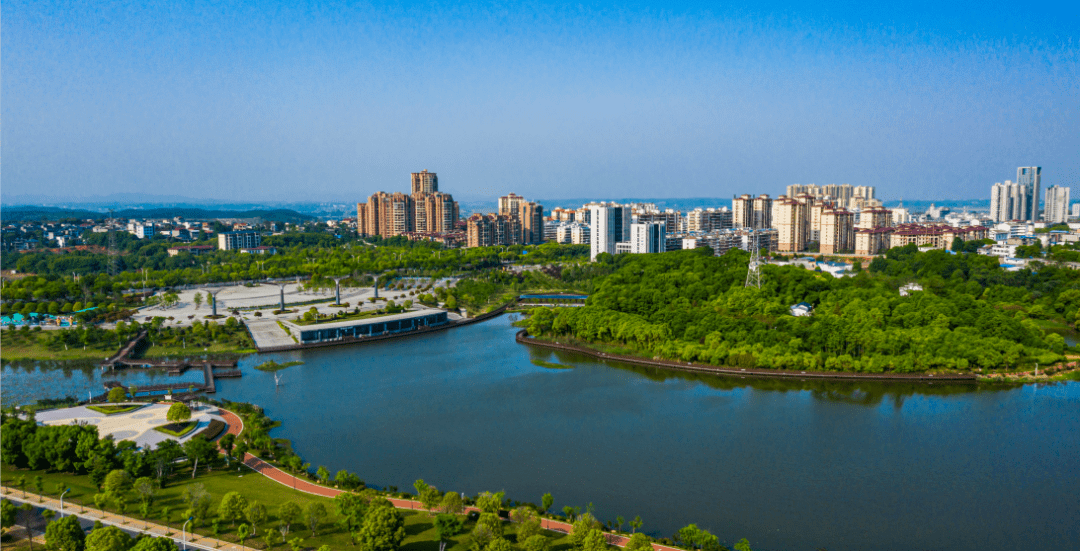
(609,224)
(1057,204)
(650,237)
(1030,178)
(1007,202)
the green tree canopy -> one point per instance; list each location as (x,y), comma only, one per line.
(383,530)
(178,413)
(65,534)
(108,538)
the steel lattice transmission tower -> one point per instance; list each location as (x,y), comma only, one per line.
(753,275)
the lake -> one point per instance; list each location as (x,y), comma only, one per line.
(786,464)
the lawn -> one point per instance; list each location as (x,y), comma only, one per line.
(113,410)
(419,526)
(177,429)
(31,348)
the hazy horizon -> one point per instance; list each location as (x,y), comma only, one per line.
(305,102)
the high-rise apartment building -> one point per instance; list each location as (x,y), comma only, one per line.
(646,238)
(435,212)
(841,195)
(837,231)
(610,225)
(790,220)
(485,230)
(532,222)
(751,212)
(707,220)
(1007,202)
(426,210)
(510,205)
(1057,204)
(875,217)
(424,182)
(1030,178)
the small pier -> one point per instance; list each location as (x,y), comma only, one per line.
(123,359)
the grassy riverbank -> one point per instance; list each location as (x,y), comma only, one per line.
(35,346)
(419,526)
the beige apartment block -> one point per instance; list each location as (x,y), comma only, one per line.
(837,231)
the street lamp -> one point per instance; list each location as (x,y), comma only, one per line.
(183,532)
(66,490)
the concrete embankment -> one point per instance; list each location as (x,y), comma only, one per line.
(523,338)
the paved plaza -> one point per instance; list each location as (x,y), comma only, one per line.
(137,426)
(265,299)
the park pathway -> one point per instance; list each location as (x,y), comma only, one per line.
(122,522)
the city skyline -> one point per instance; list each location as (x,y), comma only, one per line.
(228,103)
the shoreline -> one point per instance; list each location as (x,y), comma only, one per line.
(522,337)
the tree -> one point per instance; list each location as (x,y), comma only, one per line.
(242,532)
(21,483)
(198,448)
(488,528)
(499,544)
(198,501)
(636,523)
(256,515)
(429,496)
(65,534)
(145,487)
(383,530)
(226,443)
(582,526)
(289,512)
(178,413)
(116,483)
(446,527)
(314,514)
(619,521)
(117,395)
(489,502)
(593,541)
(696,538)
(232,507)
(568,512)
(639,542)
(197,299)
(452,503)
(322,474)
(39,484)
(7,513)
(272,538)
(107,538)
(296,544)
(743,545)
(528,522)
(351,508)
(536,543)
(100,500)
(147,543)
(547,501)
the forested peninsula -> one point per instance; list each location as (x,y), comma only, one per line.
(971,314)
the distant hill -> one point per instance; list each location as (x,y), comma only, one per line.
(32,213)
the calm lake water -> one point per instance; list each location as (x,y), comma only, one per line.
(788,465)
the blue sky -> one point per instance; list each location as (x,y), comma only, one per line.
(263,101)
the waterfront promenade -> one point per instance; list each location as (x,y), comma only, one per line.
(236,426)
